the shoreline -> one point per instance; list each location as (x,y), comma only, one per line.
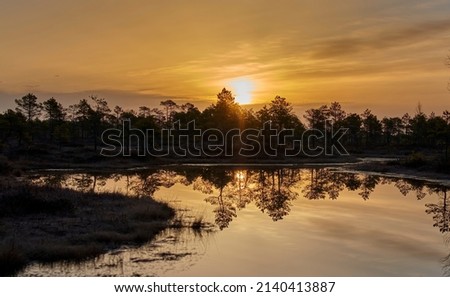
(121,163)
(47,224)
(367,164)
(398,171)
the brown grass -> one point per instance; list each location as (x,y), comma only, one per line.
(48,224)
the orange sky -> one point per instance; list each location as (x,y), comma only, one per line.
(383,55)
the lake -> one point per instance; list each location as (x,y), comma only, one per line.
(277,221)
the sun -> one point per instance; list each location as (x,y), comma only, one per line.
(242,88)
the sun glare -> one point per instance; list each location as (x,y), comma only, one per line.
(242,88)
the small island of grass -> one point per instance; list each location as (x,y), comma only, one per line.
(46,224)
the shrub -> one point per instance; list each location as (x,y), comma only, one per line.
(415,160)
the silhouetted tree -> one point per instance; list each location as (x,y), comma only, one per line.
(144,111)
(353,123)
(118,111)
(406,127)
(187,114)
(391,128)
(54,111)
(12,126)
(316,118)
(31,109)
(98,117)
(82,117)
(446,116)
(419,128)
(225,115)
(337,114)
(281,114)
(29,106)
(371,127)
(436,131)
(170,106)
(82,123)
(159,117)
(55,115)
(129,114)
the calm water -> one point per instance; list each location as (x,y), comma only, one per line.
(276,222)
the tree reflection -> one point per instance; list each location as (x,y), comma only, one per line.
(242,194)
(406,186)
(53,180)
(146,183)
(446,265)
(233,189)
(315,190)
(368,184)
(225,211)
(271,190)
(82,182)
(350,181)
(440,210)
(325,183)
(441,217)
(274,192)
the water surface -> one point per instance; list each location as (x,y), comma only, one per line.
(275,222)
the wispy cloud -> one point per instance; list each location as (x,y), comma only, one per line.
(305,50)
(380,41)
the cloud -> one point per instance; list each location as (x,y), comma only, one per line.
(292,48)
(382,40)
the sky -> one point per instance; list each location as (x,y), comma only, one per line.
(384,55)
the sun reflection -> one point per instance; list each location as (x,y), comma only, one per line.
(240,175)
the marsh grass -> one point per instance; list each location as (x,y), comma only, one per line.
(197,224)
(47,224)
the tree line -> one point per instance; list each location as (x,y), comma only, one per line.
(49,123)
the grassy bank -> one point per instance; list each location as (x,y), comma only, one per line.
(415,165)
(50,224)
(83,158)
